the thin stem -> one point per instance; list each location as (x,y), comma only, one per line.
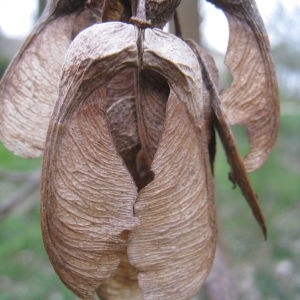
(140,18)
(178,30)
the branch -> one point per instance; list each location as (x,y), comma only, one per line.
(30,185)
(14,176)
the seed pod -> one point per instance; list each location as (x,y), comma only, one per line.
(29,88)
(93,214)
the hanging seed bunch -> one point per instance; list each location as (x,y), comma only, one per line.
(125,116)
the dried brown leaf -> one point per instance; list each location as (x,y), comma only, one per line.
(88,196)
(29,88)
(151,97)
(122,285)
(87,189)
(87,192)
(238,171)
(173,247)
(252,100)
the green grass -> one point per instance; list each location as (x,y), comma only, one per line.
(8,161)
(26,273)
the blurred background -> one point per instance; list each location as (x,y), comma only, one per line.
(260,270)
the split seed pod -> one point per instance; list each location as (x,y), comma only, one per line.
(93,214)
(127,184)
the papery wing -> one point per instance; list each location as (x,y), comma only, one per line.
(29,88)
(173,247)
(151,98)
(238,171)
(121,86)
(252,100)
(209,69)
(87,201)
(123,284)
(87,191)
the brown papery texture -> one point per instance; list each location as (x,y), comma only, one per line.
(152,92)
(87,191)
(88,194)
(252,100)
(123,284)
(238,173)
(207,95)
(88,198)
(29,88)
(174,246)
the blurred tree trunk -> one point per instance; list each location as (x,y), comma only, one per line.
(41,6)
(190,20)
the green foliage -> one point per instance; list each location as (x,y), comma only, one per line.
(3,64)
(277,184)
(25,270)
(11,162)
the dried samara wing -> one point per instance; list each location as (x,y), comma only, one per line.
(127,188)
(128,211)
(29,88)
(252,100)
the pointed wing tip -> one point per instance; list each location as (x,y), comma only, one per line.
(265,232)
(257,212)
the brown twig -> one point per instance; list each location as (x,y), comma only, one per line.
(14,176)
(177,25)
